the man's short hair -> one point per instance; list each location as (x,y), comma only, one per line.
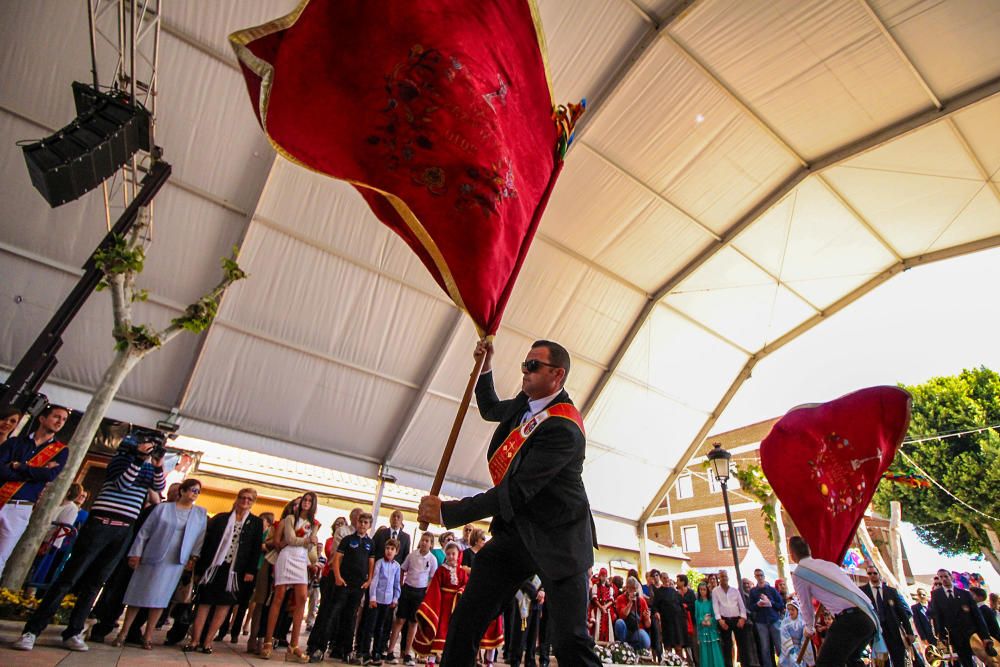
(683,578)
(392,542)
(396,513)
(978,593)
(52,407)
(558,355)
(798,546)
(365,515)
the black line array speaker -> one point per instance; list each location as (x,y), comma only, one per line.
(104,136)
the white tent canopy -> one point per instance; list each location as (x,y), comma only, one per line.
(744,170)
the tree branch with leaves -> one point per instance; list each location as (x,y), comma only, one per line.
(121,263)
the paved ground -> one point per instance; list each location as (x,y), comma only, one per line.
(49,652)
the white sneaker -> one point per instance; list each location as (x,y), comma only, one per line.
(75,643)
(25,643)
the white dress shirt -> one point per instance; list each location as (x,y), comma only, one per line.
(728,603)
(418,569)
(807,592)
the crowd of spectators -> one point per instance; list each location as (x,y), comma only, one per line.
(759,625)
(155,558)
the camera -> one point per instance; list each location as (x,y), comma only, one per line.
(139,435)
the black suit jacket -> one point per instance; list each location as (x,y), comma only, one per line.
(923,623)
(382,536)
(542,496)
(958,615)
(248,552)
(893,616)
(990,619)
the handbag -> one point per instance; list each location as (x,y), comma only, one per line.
(184,592)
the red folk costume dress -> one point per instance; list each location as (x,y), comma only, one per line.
(435,611)
(602,622)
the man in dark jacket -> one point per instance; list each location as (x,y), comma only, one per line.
(394,531)
(956,617)
(541,514)
(989,616)
(894,619)
(767,608)
(921,620)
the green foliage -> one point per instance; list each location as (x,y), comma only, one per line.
(968,465)
(200,314)
(694,578)
(231,269)
(753,481)
(139,337)
(118,259)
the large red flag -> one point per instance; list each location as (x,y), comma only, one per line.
(439,113)
(825,460)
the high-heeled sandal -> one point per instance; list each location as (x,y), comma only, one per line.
(118,641)
(189,647)
(147,645)
(265,650)
(295,654)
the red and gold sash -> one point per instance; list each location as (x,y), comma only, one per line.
(505,453)
(8,490)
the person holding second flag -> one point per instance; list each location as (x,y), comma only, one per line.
(855,623)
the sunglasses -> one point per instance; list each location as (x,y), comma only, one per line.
(534,365)
(194,489)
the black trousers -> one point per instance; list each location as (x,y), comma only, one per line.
(98,549)
(375,627)
(111,604)
(960,644)
(745,648)
(497,573)
(850,633)
(524,641)
(334,625)
(894,642)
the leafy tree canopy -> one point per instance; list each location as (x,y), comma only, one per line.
(968,466)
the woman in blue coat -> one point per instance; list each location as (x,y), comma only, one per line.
(165,544)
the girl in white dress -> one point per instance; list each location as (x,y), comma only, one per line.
(295,535)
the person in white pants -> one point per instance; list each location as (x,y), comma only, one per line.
(27,464)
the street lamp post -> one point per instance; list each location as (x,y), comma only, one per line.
(719,458)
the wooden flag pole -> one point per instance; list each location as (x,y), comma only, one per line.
(456,427)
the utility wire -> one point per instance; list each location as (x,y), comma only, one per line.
(940,486)
(945,436)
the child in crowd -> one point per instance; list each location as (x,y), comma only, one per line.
(435,611)
(418,568)
(383,596)
(353,566)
